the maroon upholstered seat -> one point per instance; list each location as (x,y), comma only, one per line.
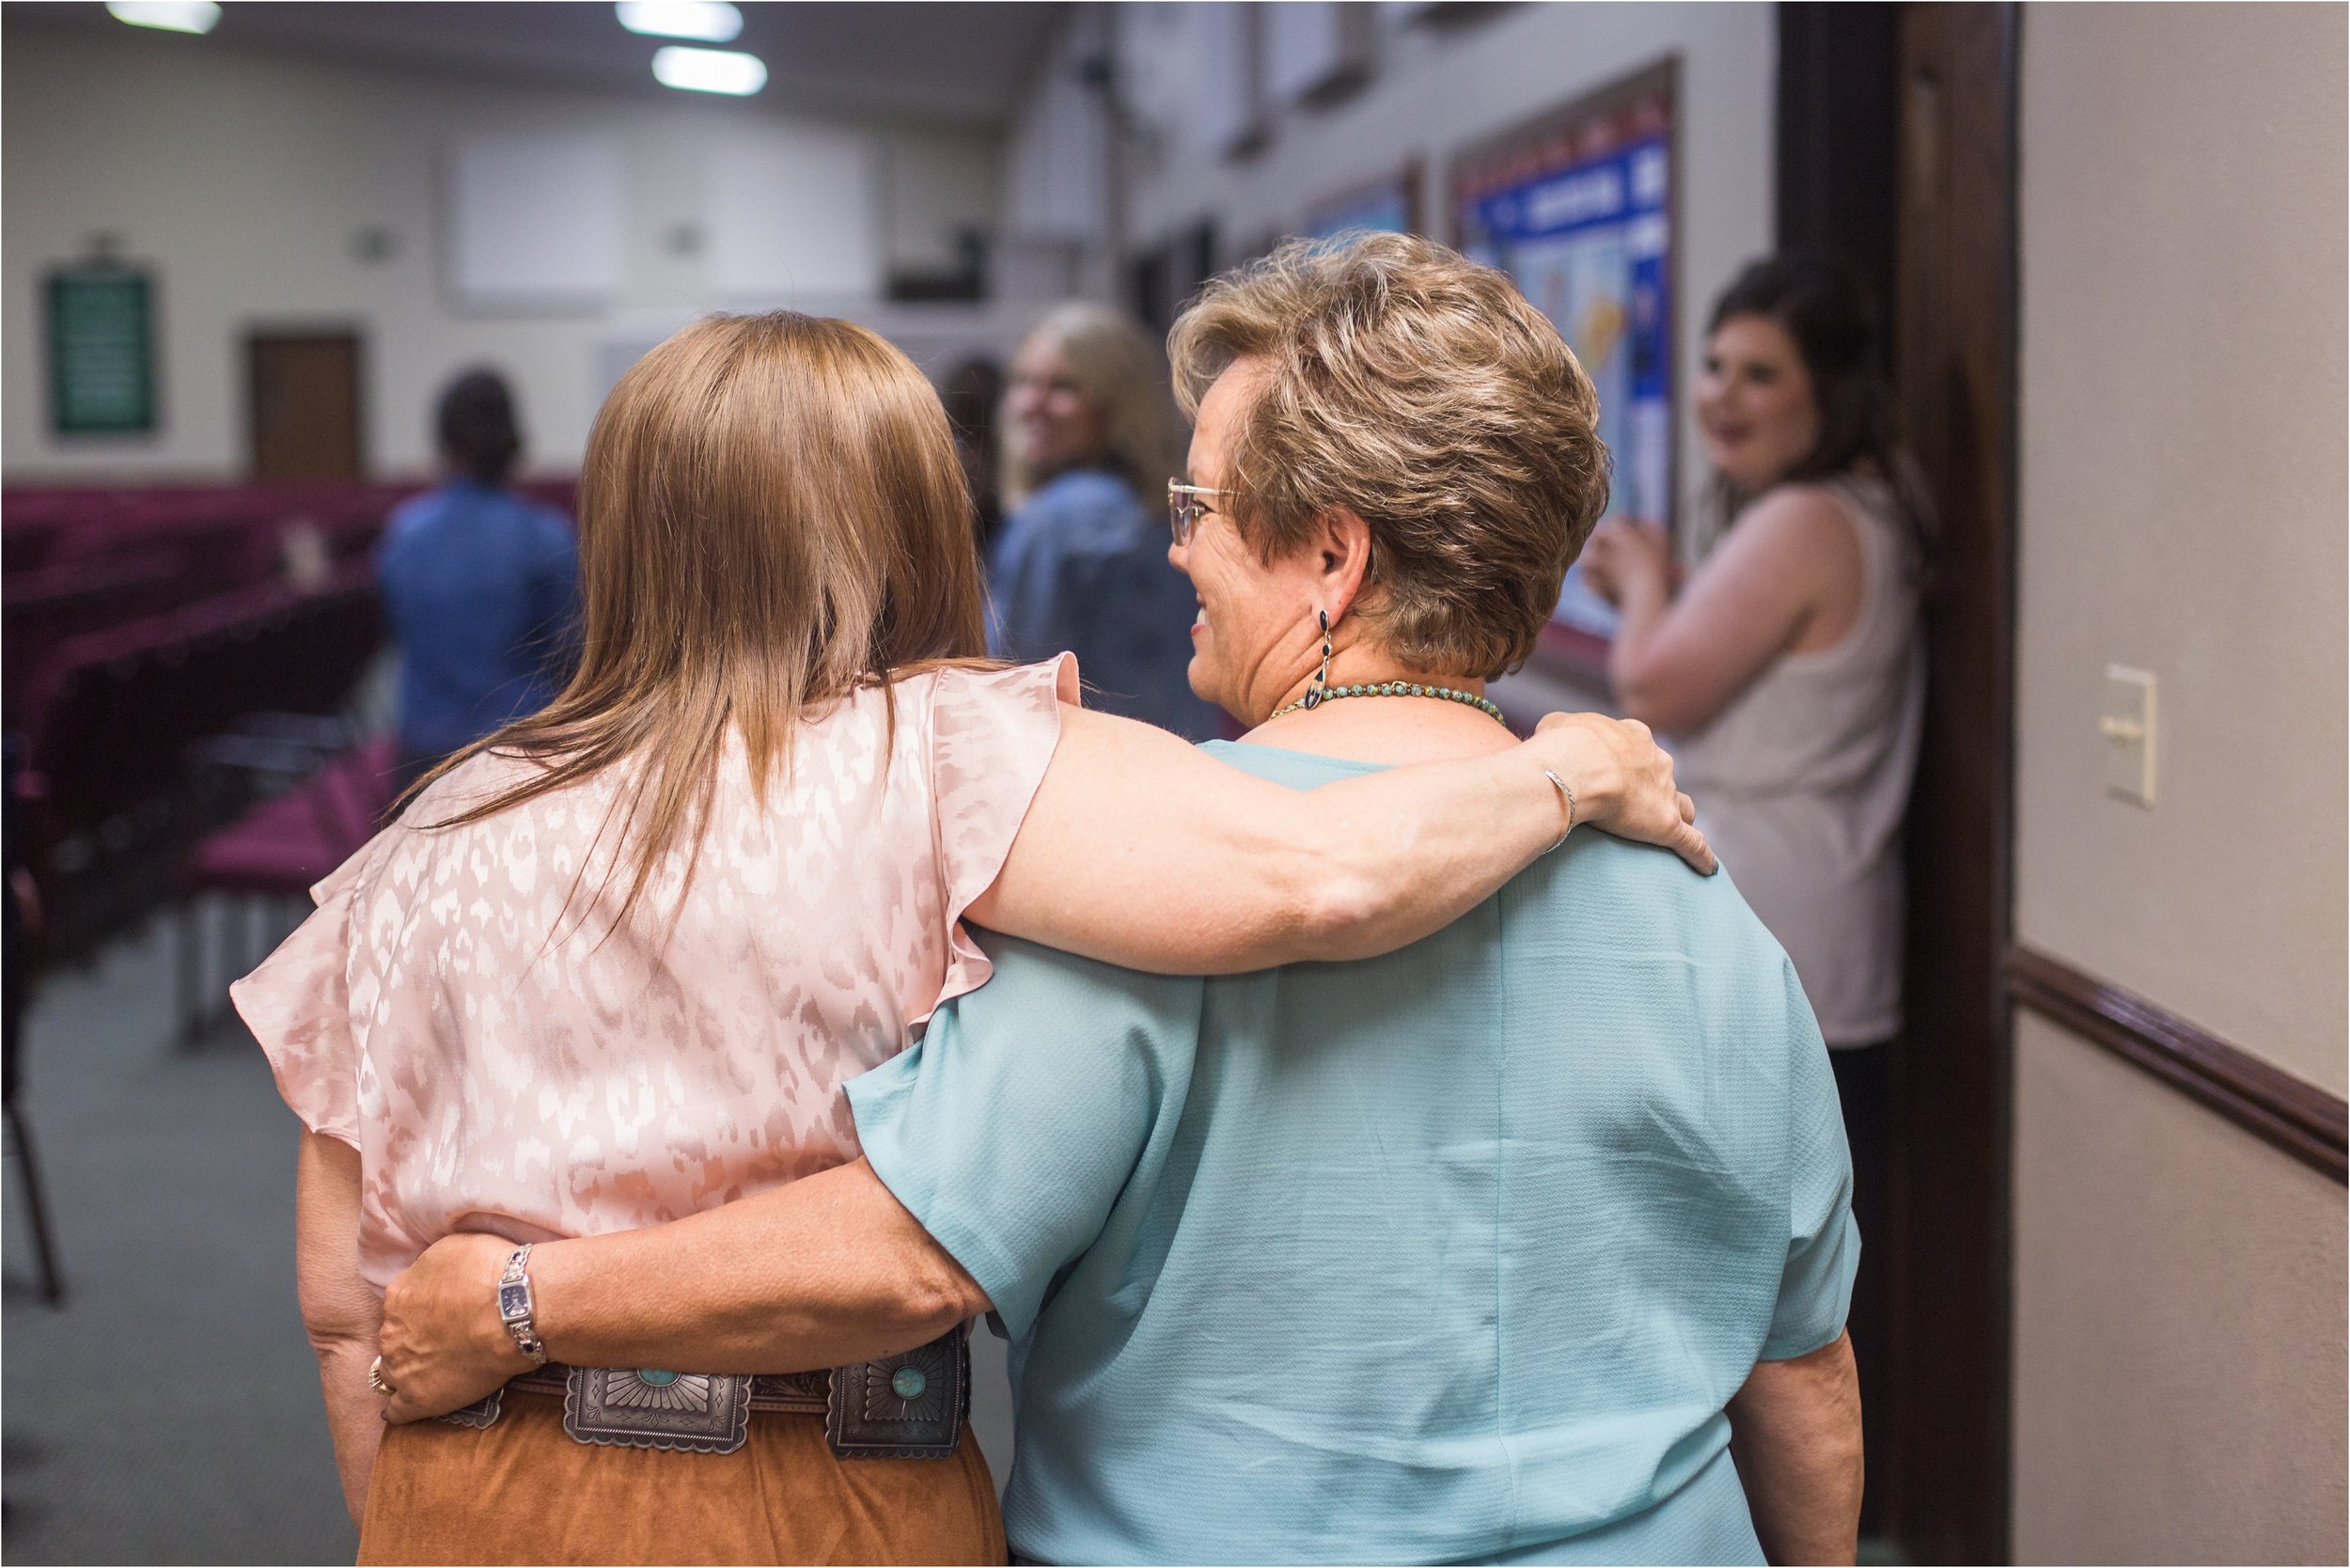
(276,852)
(283,845)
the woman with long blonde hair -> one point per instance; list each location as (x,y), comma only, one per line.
(613,965)
(1090,433)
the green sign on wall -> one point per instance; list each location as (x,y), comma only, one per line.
(102,351)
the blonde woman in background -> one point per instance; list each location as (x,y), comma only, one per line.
(1089,434)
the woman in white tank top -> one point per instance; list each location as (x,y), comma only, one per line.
(1788,673)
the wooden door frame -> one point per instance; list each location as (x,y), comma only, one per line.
(1954,1085)
(1934,227)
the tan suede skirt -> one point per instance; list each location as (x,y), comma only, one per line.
(524,1491)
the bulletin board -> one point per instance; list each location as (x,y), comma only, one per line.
(1389,204)
(101,323)
(1580,207)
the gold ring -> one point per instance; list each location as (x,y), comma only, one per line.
(375,1378)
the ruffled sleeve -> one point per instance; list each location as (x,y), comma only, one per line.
(298,1005)
(992,737)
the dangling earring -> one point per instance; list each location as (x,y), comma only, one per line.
(1321,681)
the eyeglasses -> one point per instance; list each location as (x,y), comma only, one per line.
(1184,510)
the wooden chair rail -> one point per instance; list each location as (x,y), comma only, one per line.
(2295,1114)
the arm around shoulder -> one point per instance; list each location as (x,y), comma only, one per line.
(1141,850)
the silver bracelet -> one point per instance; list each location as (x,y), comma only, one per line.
(515,1307)
(1567,791)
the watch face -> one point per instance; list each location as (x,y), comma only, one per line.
(513,1301)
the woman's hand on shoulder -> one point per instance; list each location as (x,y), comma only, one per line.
(443,1343)
(1622,782)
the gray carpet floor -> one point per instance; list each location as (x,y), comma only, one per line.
(168,1412)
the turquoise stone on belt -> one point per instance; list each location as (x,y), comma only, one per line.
(909,1381)
(655,1378)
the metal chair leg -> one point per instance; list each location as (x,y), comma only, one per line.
(235,929)
(191,943)
(52,1279)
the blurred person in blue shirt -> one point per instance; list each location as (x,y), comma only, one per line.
(1090,436)
(480,586)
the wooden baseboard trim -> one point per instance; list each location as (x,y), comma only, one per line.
(2297,1116)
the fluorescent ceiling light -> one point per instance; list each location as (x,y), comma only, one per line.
(173,16)
(711,20)
(708,70)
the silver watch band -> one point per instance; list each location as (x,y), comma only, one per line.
(515,1307)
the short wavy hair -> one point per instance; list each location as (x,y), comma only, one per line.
(1420,390)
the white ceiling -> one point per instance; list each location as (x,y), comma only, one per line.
(957,63)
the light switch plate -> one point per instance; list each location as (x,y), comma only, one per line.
(2128,728)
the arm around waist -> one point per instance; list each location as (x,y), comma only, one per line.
(826,1271)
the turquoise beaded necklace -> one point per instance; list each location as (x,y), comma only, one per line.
(1393,688)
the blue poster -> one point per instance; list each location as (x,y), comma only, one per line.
(1590,242)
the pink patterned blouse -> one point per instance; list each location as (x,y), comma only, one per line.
(497,1076)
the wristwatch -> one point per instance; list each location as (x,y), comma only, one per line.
(514,1306)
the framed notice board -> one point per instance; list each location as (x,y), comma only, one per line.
(101,351)
(1579,206)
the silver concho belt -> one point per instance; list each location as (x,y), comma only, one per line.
(905,1407)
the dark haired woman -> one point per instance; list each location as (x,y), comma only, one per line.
(1787,668)
(480,584)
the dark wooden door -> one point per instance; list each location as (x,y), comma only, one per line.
(303,394)
(1897,156)
(1954,309)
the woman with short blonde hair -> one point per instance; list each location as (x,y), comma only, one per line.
(1115,368)
(1089,436)
(613,966)
(1429,383)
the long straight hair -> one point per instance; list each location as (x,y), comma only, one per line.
(771,514)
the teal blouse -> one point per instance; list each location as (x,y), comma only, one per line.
(1453,1254)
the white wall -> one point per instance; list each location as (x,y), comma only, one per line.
(2179,1333)
(241,180)
(2182,489)
(2178,1377)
